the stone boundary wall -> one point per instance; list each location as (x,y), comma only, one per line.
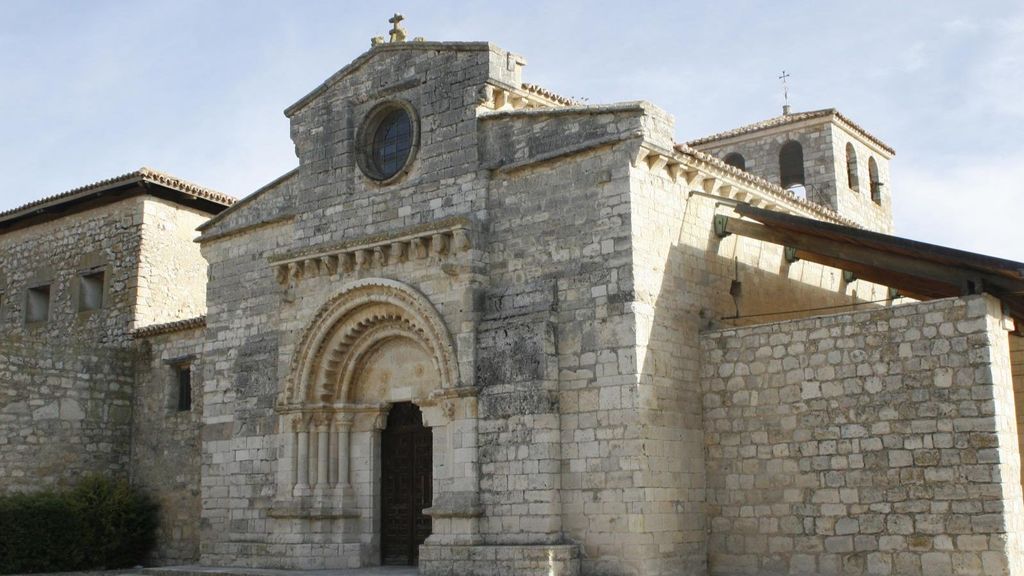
(877,442)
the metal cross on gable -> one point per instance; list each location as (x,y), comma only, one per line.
(785,92)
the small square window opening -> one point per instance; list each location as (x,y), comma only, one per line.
(90,291)
(37,305)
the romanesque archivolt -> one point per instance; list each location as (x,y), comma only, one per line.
(354,324)
(338,385)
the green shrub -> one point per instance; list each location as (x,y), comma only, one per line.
(100,523)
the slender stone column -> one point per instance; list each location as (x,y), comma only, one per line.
(322,453)
(344,428)
(294,458)
(302,461)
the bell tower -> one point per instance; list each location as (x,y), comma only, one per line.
(821,156)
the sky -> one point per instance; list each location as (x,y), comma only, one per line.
(91,90)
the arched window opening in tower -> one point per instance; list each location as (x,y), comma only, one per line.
(876,183)
(736,160)
(851,167)
(791,164)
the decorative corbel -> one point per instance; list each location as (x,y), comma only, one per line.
(281,274)
(362,259)
(460,239)
(294,271)
(346,262)
(329,264)
(656,161)
(708,184)
(397,252)
(674,168)
(380,258)
(439,244)
(641,156)
(417,247)
(311,267)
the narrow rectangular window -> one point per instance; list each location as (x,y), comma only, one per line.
(184,387)
(37,305)
(90,291)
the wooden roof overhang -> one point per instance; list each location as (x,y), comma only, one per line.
(917,269)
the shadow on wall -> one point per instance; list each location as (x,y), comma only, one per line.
(711,283)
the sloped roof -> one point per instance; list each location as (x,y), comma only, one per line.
(753,179)
(161,184)
(918,269)
(545,93)
(168,327)
(791,119)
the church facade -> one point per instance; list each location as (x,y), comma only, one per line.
(486,329)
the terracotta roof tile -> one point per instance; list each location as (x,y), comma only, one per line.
(545,93)
(140,175)
(775,189)
(789,119)
(167,327)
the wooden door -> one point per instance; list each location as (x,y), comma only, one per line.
(406,484)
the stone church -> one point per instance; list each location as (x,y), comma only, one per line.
(486,329)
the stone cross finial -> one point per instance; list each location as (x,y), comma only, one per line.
(397,32)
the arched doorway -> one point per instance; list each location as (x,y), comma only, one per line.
(406,484)
(374,381)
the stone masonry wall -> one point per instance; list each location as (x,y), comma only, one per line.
(1017,370)
(239,370)
(856,204)
(66,382)
(253,331)
(874,442)
(558,435)
(683,276)
(172,272)
(165,440)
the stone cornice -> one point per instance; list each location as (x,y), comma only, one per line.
(440,238)
(710,175)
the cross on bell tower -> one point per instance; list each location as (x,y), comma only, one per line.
(785,93)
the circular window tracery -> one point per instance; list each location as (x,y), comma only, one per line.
(388,140)
(391,143)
